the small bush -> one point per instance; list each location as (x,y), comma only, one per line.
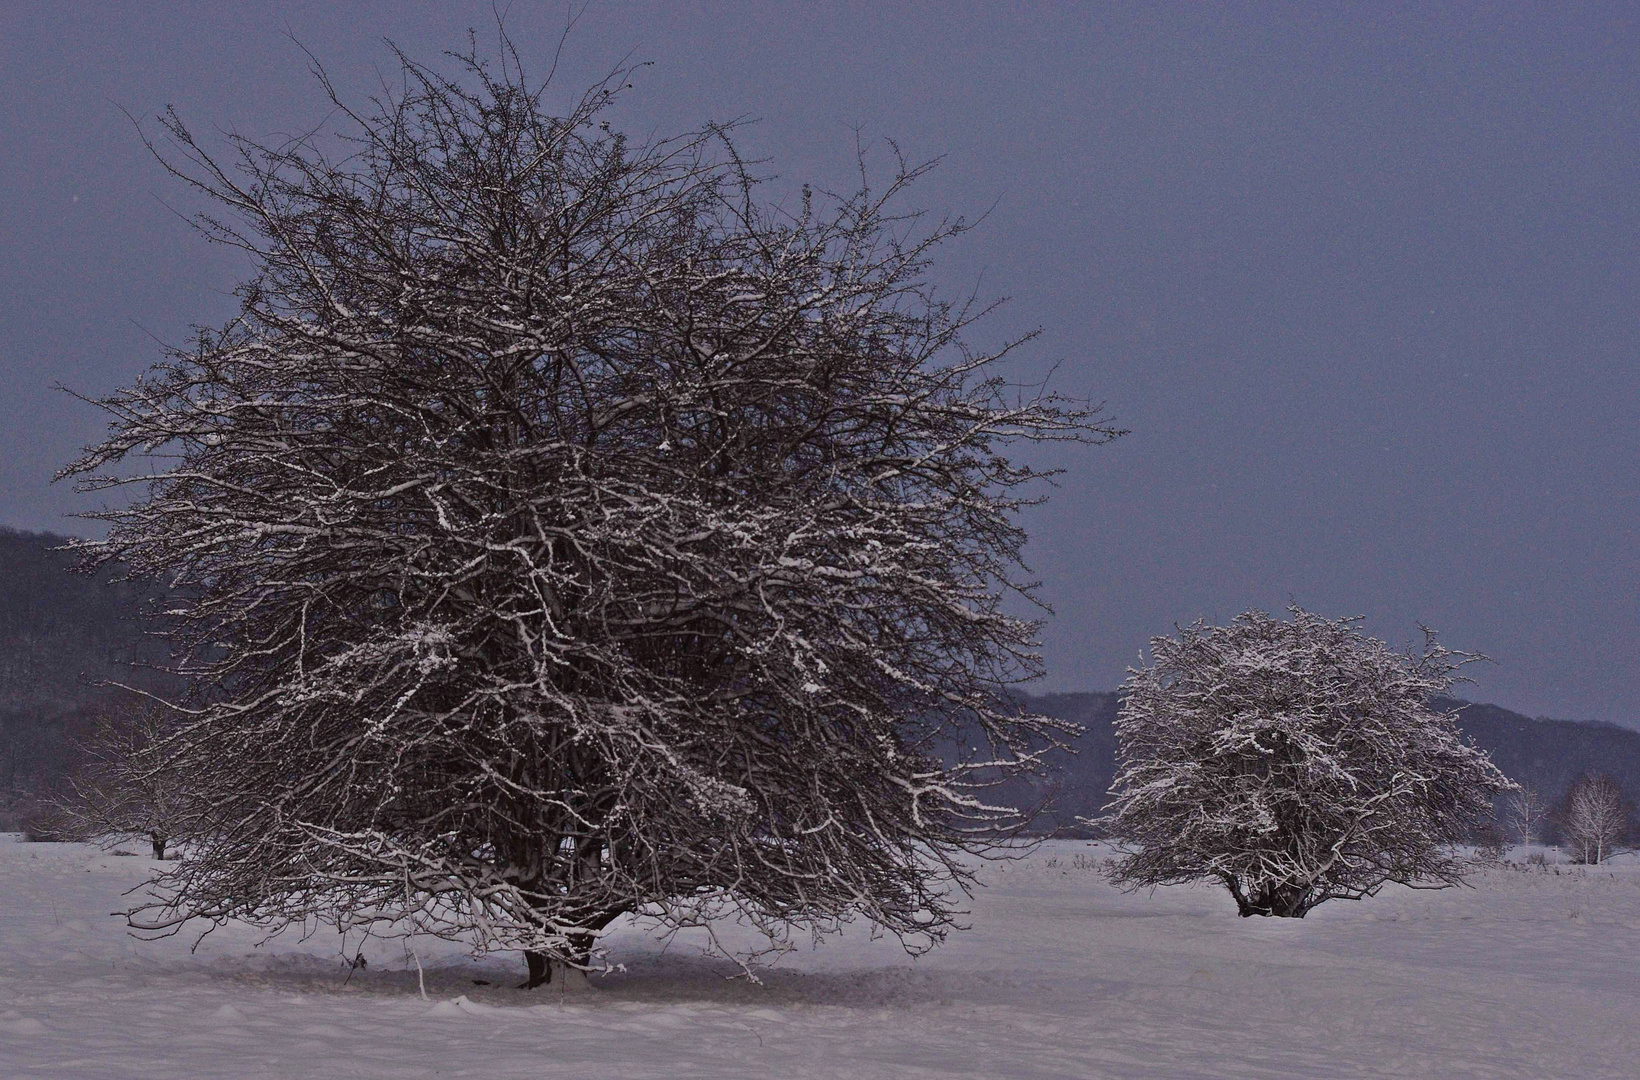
(44,827)
(1489,842)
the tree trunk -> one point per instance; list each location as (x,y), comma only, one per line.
(579,956)
(1283,900)
(580,949)
(540,967)
(541,963)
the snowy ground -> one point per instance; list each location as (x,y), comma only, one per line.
(1530,974)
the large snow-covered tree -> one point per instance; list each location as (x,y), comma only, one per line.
(1294,762)
(572,532)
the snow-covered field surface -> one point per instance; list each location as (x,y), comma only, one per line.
(1529,974)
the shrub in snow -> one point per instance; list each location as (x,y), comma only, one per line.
(1593,819)
(1295,762)
(127,787)
(1489,840)
(569,533)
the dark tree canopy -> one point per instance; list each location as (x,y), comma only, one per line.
(574,533)
(1293,762)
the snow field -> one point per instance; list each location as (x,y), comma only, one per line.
(1529,974)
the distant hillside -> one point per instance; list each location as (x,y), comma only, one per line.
(61,634)
(1546,754)
(1550,754)
(1077,789)
(61,631)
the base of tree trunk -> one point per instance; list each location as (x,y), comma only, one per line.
(571,982)
(540,969)
(1289,902)
(566,977)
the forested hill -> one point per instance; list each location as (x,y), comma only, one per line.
(1546,754)
(1081,778)
(61,631)
(1550,754)
(61,634)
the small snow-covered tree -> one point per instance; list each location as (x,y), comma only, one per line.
(1295,762)
(126,786)
(1525,812)
(568,532)
(1593,818)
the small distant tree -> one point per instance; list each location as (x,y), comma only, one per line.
(1524,811)
(1593,818)
(1489,840)
(129,784)
(1295,762)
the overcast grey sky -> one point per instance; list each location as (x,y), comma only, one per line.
(1361,279)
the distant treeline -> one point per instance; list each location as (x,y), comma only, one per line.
(64,635)
(1545,754)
